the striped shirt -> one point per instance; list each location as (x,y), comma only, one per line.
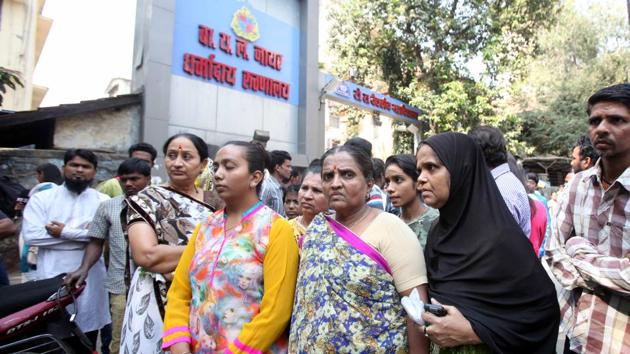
(106,225)
(514,195)
(376,199)
(588,253)
(272,194)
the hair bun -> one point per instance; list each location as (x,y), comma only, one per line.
(360,143)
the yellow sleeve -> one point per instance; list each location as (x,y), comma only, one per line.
(280,268)
(111,187)
(176,317)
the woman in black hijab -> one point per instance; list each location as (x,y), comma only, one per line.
(480,267)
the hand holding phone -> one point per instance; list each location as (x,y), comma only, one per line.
(437,310)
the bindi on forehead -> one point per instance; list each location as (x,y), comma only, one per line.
(181,144)
(180,147)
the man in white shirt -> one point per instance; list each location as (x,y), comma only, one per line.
(57,221)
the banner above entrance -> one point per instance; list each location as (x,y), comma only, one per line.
(362,97)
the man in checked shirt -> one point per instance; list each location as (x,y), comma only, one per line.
(589,250)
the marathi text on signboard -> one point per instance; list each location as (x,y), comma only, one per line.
(234,60)
(356,95)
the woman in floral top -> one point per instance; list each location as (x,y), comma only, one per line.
(233,288)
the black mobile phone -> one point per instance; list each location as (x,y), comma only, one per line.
(437,310)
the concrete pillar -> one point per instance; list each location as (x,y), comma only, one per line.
(311,138)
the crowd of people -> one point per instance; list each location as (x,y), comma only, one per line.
(242,254)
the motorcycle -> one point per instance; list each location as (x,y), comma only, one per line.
(34,318)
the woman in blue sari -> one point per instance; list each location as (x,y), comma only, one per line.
(354,268)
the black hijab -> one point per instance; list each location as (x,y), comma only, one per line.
(479,261)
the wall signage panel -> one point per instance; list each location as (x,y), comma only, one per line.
(362,97)
(233,45)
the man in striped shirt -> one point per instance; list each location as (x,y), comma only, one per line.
(272,192)
(589,250)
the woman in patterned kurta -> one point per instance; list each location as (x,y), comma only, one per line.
(160,220)
(312,202)
(233,288)
(401,178)
(354,268)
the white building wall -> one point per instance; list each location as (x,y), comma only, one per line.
(18,29)
(381,136)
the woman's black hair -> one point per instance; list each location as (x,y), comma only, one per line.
(406,162)
(200,145)
(314,169)
(360,143)
(315,162)
(50,173)
(85,154)
(379,168)
(134,165)
(360,155)
(256,156)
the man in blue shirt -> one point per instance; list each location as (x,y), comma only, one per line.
(494,149)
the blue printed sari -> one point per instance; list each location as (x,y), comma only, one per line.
(345,298)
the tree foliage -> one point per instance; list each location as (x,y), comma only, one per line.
(403,140)
(8,78)
(423,51)
(583,52)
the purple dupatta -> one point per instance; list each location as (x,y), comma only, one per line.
(357,243)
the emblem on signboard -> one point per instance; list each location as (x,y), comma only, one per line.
(245,25)
(343,90)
